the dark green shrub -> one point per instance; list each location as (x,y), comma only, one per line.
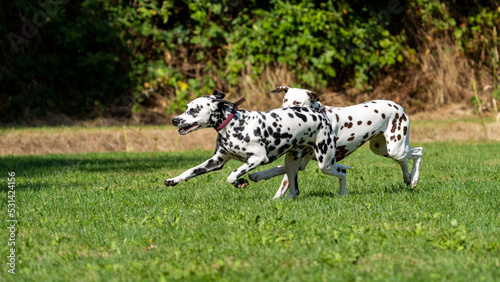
(81,57)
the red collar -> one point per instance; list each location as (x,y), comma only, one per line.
(230,117)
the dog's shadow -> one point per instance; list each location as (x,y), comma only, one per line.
(320,194)
(390,188)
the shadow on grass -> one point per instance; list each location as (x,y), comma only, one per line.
(46,166)
(389,188)
(320,194)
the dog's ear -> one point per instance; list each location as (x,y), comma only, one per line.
(221,103)
(279,89)
(218,95)
(313,97)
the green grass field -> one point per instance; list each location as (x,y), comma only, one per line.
(109,217)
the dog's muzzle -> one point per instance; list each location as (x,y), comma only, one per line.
(183,128)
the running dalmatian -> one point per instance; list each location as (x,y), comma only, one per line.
(382,122)
(258,138)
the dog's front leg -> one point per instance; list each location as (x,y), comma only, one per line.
(214,163)
(268,173)
(250,164)
(285,182)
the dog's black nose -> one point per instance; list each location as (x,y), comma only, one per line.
(175,121)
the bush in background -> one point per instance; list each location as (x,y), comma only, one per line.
(88,58)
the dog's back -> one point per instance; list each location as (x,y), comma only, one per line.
(355,125)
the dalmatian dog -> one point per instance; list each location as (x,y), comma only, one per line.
(257,138)
(383,123)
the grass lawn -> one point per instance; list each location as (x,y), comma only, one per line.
(108,217)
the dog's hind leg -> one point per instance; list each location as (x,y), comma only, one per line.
(416,155)
(398,148)
(404,168)
(394,144)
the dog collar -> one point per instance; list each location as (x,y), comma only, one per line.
(230,117)
(321,108)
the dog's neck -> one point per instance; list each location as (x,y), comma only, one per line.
(222,120)
(318,106)
(220,115)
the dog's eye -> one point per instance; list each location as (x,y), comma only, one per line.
(193,111)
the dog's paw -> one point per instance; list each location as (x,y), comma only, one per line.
(241,183)
(254,177)
(171,182)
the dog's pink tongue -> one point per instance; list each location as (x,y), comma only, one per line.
(184,130)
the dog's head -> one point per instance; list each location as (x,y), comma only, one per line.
(296,97)
(200,113)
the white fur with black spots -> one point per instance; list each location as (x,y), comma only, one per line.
(383,123)
(258,138)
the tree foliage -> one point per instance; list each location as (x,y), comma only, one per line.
(79,57)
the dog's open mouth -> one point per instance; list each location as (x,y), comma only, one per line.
(189,128)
